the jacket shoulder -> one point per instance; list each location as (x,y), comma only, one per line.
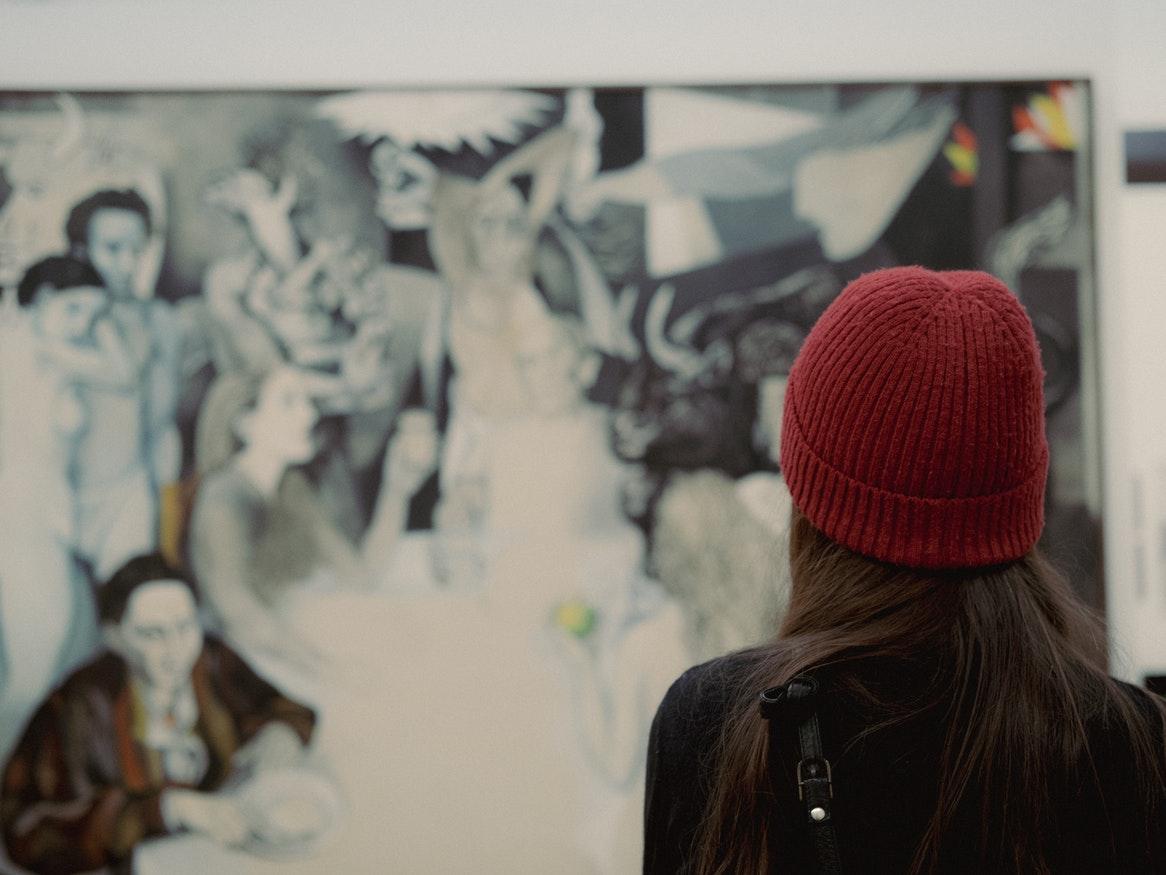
(1142,698)
(104,674)
(710,686)
(690,717)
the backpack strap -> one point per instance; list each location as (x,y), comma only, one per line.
(796,703)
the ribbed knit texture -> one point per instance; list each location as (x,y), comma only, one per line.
(913,429)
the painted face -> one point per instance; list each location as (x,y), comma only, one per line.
(281,423)
(500,233)
(117,239)
(159,635)
(404,186)
(69,314)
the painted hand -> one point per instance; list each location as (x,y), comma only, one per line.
(276,746)
(412,452)
(217,817)
(247,193)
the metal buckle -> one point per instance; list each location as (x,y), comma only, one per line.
(803,780)
(770,701)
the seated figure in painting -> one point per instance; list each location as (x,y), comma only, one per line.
(259,524)
(140,742)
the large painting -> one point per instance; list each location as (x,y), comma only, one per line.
(372,461)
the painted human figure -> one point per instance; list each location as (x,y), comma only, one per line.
(316,302)
(140,742)
(60,346)
(616,641)
(269,300)
(130,449)
(404,186)
(484,238)
(258,524)
(323,304)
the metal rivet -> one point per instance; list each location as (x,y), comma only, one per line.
(818,814)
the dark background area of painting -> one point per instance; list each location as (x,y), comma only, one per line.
(1145,156)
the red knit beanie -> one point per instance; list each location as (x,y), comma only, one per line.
(913,429)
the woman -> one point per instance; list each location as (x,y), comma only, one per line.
(259,526)
(964,710)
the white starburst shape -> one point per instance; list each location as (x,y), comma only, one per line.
(442,119)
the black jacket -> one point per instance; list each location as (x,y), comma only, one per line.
(886,786)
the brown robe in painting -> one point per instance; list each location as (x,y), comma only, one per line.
(81,790)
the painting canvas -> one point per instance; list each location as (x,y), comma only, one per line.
(372,461)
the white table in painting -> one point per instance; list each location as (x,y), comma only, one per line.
(448,723)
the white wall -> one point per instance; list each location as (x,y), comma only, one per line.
(1117,43)
(1134,256)
(304,42)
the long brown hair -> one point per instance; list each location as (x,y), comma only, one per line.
(1020,667)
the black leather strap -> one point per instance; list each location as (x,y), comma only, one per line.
(797,703)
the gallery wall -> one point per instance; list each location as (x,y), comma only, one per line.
(88,44)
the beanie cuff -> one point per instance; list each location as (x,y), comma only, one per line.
(931,533)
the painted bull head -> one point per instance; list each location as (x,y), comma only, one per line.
(692,403)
